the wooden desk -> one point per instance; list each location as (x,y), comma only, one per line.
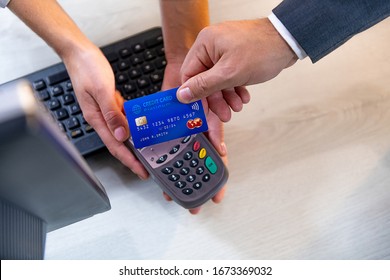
(309,157)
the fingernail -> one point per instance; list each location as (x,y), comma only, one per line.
(120,133)
(223,149)
(185,95)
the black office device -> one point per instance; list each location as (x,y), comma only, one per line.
(45,183)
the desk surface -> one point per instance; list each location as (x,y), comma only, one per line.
(309,157)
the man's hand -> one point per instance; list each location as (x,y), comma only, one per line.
(228,56)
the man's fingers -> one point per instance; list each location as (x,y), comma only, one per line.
(205,83)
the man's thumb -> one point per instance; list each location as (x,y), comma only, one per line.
(200,86)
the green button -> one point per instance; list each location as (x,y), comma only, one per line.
(210,165)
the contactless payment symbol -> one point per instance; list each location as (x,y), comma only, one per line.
(195,106)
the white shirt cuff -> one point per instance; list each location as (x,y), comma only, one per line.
(4,3)
(294,45)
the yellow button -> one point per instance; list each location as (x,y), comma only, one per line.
(202,153)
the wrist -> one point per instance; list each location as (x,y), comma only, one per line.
(181,22)
(287,36)
(282,46)
(72,46)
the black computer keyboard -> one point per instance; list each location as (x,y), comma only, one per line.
(138,63)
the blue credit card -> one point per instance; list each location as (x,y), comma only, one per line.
(160,117)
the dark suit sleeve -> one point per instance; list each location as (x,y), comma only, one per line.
(320,26)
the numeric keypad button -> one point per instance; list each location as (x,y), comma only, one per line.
(187,156)
(180,184)
(206,178)
(178,163)
(174,150)
(187,191)
(191,178)
(174,177)
(162,159)
(184,171)
(167,170)
(200,170)
(197,185)
(186,139)
(194,162)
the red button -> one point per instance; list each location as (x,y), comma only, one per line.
(196,146)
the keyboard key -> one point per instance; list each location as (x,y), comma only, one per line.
(54,104)
(125,52)
(43,95)
(76,133)
(143,82)
(88,128)
(155,88)
(39,85)
(57,77)
(72,123)
(121,78)
(136,59)
(129,87)
(156,77)
(68,86)
(147,68)
(83,121)
(149,55)
(135,73)
(61,126)
(68,99)
(161,63)
(61,114)
(123,65)
(75,109)
(160,51)
(154,41)
(57,90)
(138,48)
